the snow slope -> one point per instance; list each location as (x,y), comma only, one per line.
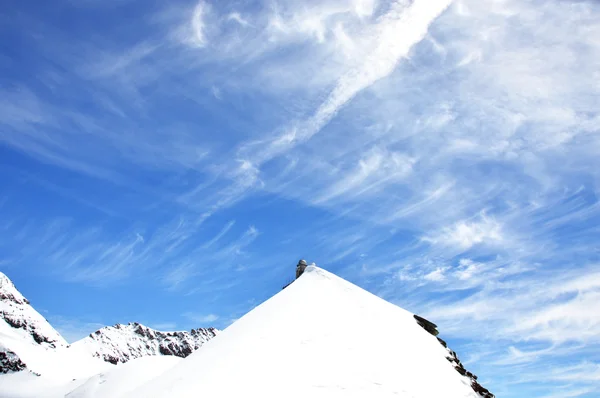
(28,385)
(320,337)
(120,343)
(123,378)
(113,382)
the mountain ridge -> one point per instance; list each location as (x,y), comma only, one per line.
(26,336)
(307,340)
(123,342)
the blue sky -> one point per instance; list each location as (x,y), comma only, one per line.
(170,163)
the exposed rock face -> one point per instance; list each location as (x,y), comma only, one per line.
(431,328)
(427,325)
(9,361)
(121,343)
(16,311)
(453,358)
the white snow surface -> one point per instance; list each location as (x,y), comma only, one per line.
(124,377)
(115,381)
(28,385)
(320,337)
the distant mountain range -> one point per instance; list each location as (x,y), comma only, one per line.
(320,337)
(120,343)
(24,331)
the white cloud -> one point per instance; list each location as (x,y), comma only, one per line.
(466,234)
(197,23)
(201,319)
(237,17)
(530,310)
(175,253)
(380,55)
(177,275)
(374,170)
(435,276)
(364,8)
(582,372)
(216,92)
(114,64)
(576,319)
(221,233)
(467,269)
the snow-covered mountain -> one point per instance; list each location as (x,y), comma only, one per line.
(29,343)
(22,328)
(321,337)
(121,343)
(17,312)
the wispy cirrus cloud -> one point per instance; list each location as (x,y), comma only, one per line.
(201,319)
(439,153)
(170,252)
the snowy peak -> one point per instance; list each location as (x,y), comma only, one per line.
(23,320)
(307,340)
(121,343)
(22,330)
(9,292)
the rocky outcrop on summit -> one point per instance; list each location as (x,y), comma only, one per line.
(17,312)
(121,343)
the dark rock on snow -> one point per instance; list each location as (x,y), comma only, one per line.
(431,328)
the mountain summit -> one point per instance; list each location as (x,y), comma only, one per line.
(22,329)
(17,312)
(320,337)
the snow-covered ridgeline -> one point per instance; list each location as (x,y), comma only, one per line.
(298,343)
(29,342)
(121,343)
